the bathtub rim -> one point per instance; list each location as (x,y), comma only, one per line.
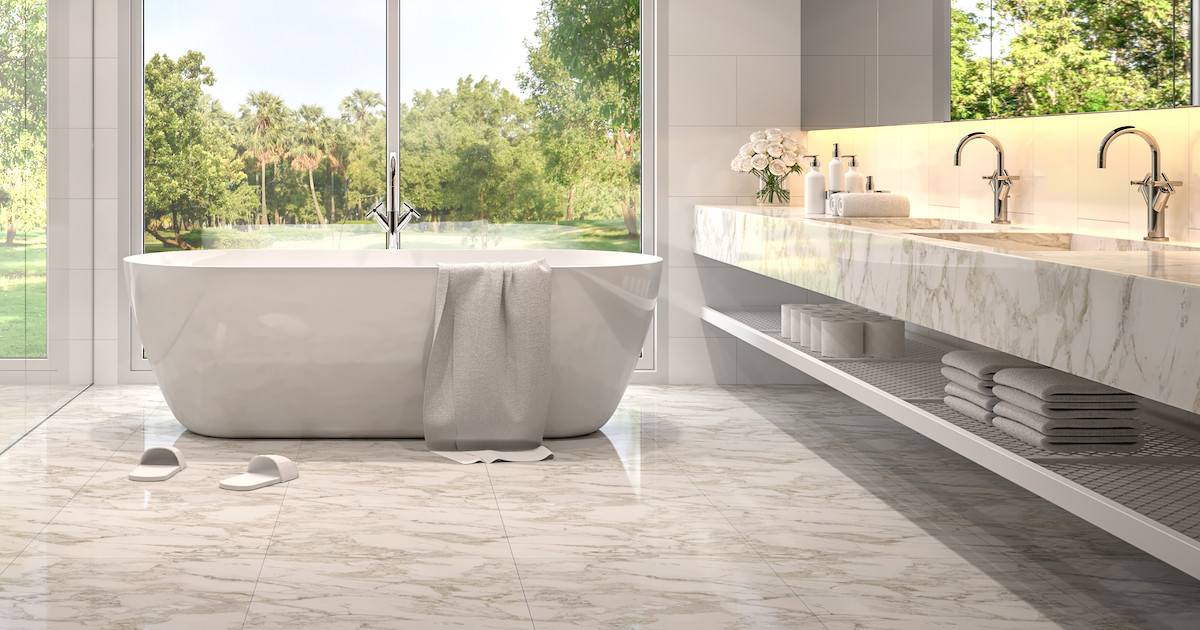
(155,259)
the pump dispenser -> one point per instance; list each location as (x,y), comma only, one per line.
(837,179)
(814,188)
(837,172)
(855,182)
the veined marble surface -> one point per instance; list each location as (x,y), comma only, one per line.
(790,508)
(1123,318)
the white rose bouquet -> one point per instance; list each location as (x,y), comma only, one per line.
(770,155)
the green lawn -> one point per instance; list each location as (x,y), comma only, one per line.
(585,234)
(23,297)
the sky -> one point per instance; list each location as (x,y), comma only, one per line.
(983,48)
(310,54)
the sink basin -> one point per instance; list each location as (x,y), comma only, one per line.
(1052,241)
(904,223)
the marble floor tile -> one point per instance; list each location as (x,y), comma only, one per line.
(569,530)
(445,511)
(196,526)
(44,589)
(694,507)
(443,591)
(22,520)
(661,591)
(967,602)
(1122,584)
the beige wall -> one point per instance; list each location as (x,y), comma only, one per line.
(1055,157)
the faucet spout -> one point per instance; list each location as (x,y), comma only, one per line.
(395,214)
(1155,187)
(980,136)
(1000,180)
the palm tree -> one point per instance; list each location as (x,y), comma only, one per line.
(306,151)
(358,107)
(333,141)
(263,120)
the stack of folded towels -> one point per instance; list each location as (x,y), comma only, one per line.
(1064,413)
(971,375)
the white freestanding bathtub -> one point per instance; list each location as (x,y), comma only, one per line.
(333,343)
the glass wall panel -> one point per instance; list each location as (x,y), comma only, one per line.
(23,178)
(520,125)
(264,123)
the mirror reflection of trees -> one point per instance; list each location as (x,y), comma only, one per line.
(1064,56)
(567,154)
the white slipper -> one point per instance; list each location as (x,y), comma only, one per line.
(158,463)
(263,471)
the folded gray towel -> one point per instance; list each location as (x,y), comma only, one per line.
(969,409)
(1056,409)
(971,396)
(1053,385)
(1084,433)
(1066,444)
(983,364)
(1046,424)
(966,380)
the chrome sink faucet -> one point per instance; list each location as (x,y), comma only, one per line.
(1156,189)
(1001,181)
(397,214)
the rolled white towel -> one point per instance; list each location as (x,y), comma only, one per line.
(842,338)
(871,205)
(883,337)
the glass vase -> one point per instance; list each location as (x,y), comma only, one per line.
(773,190)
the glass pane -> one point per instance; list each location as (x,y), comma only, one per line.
(23,178)
(258,133)
(1015,58)
(521,123)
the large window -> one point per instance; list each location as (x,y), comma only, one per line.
(519,123)
(23,178)
(264,121)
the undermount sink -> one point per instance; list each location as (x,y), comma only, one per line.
(1053,241)
(904,223)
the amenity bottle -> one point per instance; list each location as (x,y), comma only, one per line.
(814,188)
(855,181)
(837,175)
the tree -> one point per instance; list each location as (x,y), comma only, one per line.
(1067,56)
(308,149)
(190,166)
(567,129)
(363,167)
(22,116)
(359,109)
(598,44)
(263,126)
(335,144)
(970,83)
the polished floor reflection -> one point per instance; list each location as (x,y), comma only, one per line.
(24,405)
(695,508)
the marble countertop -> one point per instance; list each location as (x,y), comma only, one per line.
(1116,317)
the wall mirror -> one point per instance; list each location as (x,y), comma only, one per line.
(1034,57)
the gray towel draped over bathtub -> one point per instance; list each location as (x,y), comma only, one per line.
(487,385)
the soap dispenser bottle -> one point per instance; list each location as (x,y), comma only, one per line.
(814,188)
(837,175)
(855,182)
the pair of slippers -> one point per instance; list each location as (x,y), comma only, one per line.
(160,463)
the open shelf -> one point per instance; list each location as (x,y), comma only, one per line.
(1150,498)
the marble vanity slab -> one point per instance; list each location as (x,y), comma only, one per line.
(1122,318)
